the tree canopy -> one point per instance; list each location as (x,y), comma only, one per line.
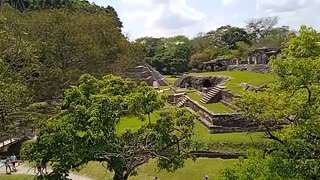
(84,130)
(52,48)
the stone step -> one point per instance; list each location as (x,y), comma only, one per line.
(181,103)
(211,94)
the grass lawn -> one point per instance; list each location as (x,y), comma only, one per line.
(170,79)
(214,107)
(192,170)
(251,78)
(134,123)
(202,134)
(16,177)
(164,87)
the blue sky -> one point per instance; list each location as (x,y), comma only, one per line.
(164,18)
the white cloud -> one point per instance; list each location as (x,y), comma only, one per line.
(229,2)
(164,17)
(291,12)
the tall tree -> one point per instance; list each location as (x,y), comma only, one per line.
(172,55)
(52,48)
(14,100)
(227,36)
(85,131)
(260,27)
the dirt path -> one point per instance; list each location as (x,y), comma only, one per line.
(22,169)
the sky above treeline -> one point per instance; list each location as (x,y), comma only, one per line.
(164,18)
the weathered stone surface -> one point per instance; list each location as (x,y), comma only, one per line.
(248,87)
(217,64)
(227,96)
(262,55)
(258,68)
(199,82)
(146,73)
(222,123)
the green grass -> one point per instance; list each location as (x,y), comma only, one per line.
(134,123)
(192,170)
(16,177)
(164,87)
(170,79)
(214,107)
(202,134)
(251,78)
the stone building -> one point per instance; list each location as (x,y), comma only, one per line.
(147,74)
(262,55)
(200,82)
(217,64)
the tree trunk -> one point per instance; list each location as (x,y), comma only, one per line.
(149,118)
(120,176)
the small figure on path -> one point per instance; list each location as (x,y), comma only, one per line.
(13,160)
(7,163)
(44,167)
(206,177)
(38,169)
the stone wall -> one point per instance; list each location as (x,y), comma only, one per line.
(222,123)
(209,154)
(198,82)
(175,98)
(227,96)
(258,68)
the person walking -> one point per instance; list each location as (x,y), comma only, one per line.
(7,164)
(13,160)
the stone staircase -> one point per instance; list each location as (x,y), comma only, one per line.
(212,94)
(182,101)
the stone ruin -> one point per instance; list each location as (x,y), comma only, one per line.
(262,55)
(199,82)
(147,74)
(258,68)
(248,87)
(217,64)
(257,61)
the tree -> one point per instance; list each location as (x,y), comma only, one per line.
(14,99)
(227,36)
(151,45)
(172,55)
(259,27)
(145,101)
(167,140)
(242,51)
(199,43)
(52,48)
(198,58)
(72,5)
(293,102)
(275,37)
(85,130)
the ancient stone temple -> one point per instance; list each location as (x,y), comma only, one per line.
(200,82)
(217,64)
(262,55)
(146,73)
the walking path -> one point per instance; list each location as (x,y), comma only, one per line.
(22,169)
